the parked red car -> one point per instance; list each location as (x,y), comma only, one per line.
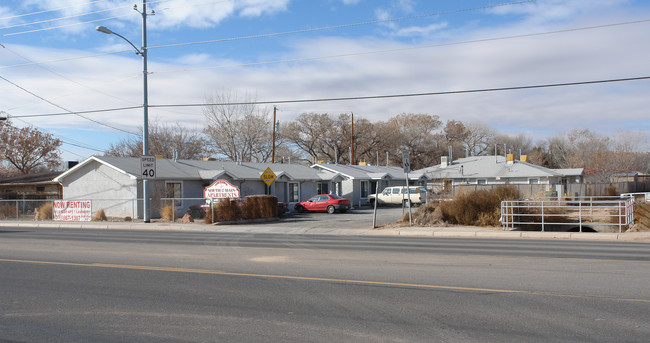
(329,203)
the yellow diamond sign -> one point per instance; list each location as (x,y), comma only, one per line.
(268,176)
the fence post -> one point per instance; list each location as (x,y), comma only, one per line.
(619,217)
(542,215)
(580,215)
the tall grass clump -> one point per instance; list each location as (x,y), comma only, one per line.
(478,208)
(45,211)
(100,216)
(7,211)
(167,214)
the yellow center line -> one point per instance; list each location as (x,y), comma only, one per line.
(308,278)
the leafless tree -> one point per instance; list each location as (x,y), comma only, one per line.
(237,128)
(479,138)
(164,140)
(26,150)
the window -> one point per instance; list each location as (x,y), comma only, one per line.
(364,189)
(482,182)
(175,191)
(294,195)
(40,189)
(323,188)
(533,181)
(396,190)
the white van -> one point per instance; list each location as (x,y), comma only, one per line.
(396,195)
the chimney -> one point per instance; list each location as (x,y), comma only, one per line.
(443,162)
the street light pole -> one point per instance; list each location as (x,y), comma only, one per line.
(145,108)
(145,105)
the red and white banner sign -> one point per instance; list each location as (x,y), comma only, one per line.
(77,211)
(221,189)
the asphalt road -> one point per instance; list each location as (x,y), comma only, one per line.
(130,286)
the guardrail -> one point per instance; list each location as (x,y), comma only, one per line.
(568,215)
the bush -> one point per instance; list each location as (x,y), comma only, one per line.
(7,211)
(224,210)
(478,208)
(100,216)
(45,211)
(167,213)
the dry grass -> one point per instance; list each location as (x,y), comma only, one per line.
(167,214)
(478,208)
(7,211)
(100,216)
(45,211)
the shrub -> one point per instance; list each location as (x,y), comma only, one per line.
(45,211)
(479,208)
(167,213)
(100,216)
(7,211)
(224,210)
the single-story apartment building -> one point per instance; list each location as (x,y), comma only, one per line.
(359,181)
(115,183)
(499,170)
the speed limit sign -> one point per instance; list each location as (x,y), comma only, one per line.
(148,167)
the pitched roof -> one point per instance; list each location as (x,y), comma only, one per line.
(369,172)
(201,170)
(493,167)
(40,178)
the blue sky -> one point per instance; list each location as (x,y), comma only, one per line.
(53,61)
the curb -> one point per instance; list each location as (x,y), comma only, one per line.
(463,232)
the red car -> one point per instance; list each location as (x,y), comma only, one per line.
(329,203)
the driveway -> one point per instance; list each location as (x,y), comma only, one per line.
(358,218)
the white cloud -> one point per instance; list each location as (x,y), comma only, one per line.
(420,30)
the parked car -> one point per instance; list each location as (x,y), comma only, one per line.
(329,203)
(396,195)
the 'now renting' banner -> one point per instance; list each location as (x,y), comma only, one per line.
(77,211)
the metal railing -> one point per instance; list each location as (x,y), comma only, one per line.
(591,212)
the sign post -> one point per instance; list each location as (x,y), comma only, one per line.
(407,167)
(268,176)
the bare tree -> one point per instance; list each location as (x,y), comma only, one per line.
(479,138)
(164,140)
(237,128)
(417,133)
(27,149)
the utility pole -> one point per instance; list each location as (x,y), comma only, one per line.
(352,141)
(275,109)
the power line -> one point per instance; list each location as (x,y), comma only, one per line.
(65,59)
(76,142)
(302,59)
(51,10)
(67,25)
(62,18)
(67,78)
(82,22)
(264,35)
(484,90)
(65,109)
(379,21)
(370,97)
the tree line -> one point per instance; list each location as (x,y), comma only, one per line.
(242,131)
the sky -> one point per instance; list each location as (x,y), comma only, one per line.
(476,61)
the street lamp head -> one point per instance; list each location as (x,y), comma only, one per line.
(104,29)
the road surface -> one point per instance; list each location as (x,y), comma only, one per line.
(77,285)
